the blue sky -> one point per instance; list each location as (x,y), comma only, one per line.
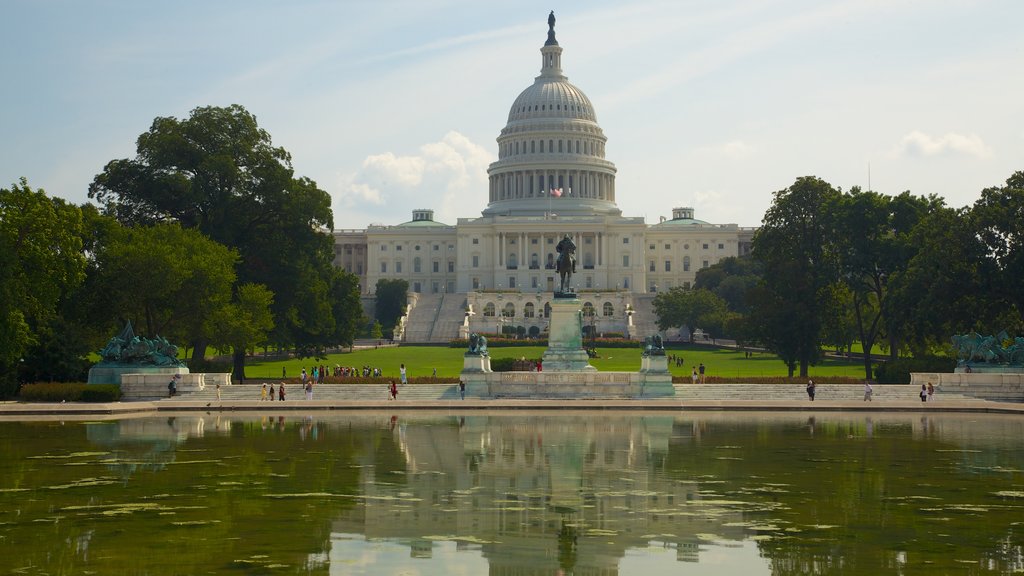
(393,105)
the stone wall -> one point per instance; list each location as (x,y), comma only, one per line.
(1004,387)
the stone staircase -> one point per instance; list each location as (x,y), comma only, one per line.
(449,318)
(422,316)
(826,392)
(645,321)
(684,392)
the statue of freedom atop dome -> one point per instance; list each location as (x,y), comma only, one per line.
(566,263)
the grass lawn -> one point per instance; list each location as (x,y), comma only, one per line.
(421,360)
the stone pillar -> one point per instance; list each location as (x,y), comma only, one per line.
(565,340)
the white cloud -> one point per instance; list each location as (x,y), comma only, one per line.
(449,176)
(917,143)
(732,150)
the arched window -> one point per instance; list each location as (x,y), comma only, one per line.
(528,310)
(509,311)
(534,261)
(547,310)
(609,310)
(489,309)
(588,309)
(512,260)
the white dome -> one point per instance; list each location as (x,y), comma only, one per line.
(552,98)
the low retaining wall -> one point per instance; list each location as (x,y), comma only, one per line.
(985,385)
(569,385)
(147,386)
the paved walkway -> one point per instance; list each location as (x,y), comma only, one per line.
(833,398)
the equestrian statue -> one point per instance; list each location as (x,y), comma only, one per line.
(566,264)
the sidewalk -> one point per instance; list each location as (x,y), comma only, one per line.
(16,410)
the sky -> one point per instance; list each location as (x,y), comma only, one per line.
(392,105)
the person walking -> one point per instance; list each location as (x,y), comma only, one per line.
(693,375)
(701,371)
(402,375)
(924,393)
(263,393)
(271,392)
(309,389)
(280,392)
(394,390)
(218,391)
(810,389)
(462,389)
(867,391)
(931,392)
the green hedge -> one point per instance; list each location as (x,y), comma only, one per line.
(70,392)
(898,372)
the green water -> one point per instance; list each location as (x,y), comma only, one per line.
(572,493)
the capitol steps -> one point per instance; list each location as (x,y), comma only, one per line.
(421,317)
(645,321)
(684,392)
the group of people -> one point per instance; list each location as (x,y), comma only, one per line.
(677,360)
(697,374)
(266,395)
(927,393)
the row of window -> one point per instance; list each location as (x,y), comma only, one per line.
(668,265)
(704,246)
(529,311)
(588,147)
(417,266)
(398,247)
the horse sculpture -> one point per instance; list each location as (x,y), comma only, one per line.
(566,263)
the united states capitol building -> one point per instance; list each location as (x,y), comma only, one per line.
(551,179)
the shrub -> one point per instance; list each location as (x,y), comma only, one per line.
(770,380)
(898,372)
(70,392)
(101,393)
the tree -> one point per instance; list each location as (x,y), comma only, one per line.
(392,295)
(999,219)
(168,281)
(731,279)
(690,308)
(219,172)
(41,261)
(245,323)
(793,247)
(871,239)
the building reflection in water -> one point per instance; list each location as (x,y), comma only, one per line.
(536,495)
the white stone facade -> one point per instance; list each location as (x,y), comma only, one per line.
(551,178)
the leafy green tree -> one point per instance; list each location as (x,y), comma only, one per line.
(219,172)
(41,261)
(731,279)
(690,308)
(946,287)
(999,219)
(793,247)
(167,280)
(392,296)
(245,323)
(871,238)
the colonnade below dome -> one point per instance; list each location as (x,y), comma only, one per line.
(574,183)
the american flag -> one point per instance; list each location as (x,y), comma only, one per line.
(556,192)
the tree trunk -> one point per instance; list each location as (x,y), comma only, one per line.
(803,368)
(198,354)
(894,353)
(238,356)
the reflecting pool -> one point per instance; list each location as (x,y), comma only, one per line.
(514,493)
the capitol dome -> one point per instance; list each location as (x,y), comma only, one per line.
(551,151)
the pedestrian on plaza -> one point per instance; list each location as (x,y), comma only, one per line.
(701,371)
(867,391)
(402,374)
(435,373)
(218,391)
(931,392)
(309,389)
(810,389)
(271,392)
(693,375)
(924,393)
(304,376)
(462,389)
(280,392)
(263,393)
(394,390)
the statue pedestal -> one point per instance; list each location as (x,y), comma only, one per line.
(565,338)
(656,364)
(476,363)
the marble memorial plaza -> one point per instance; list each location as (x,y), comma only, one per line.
(551,178)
